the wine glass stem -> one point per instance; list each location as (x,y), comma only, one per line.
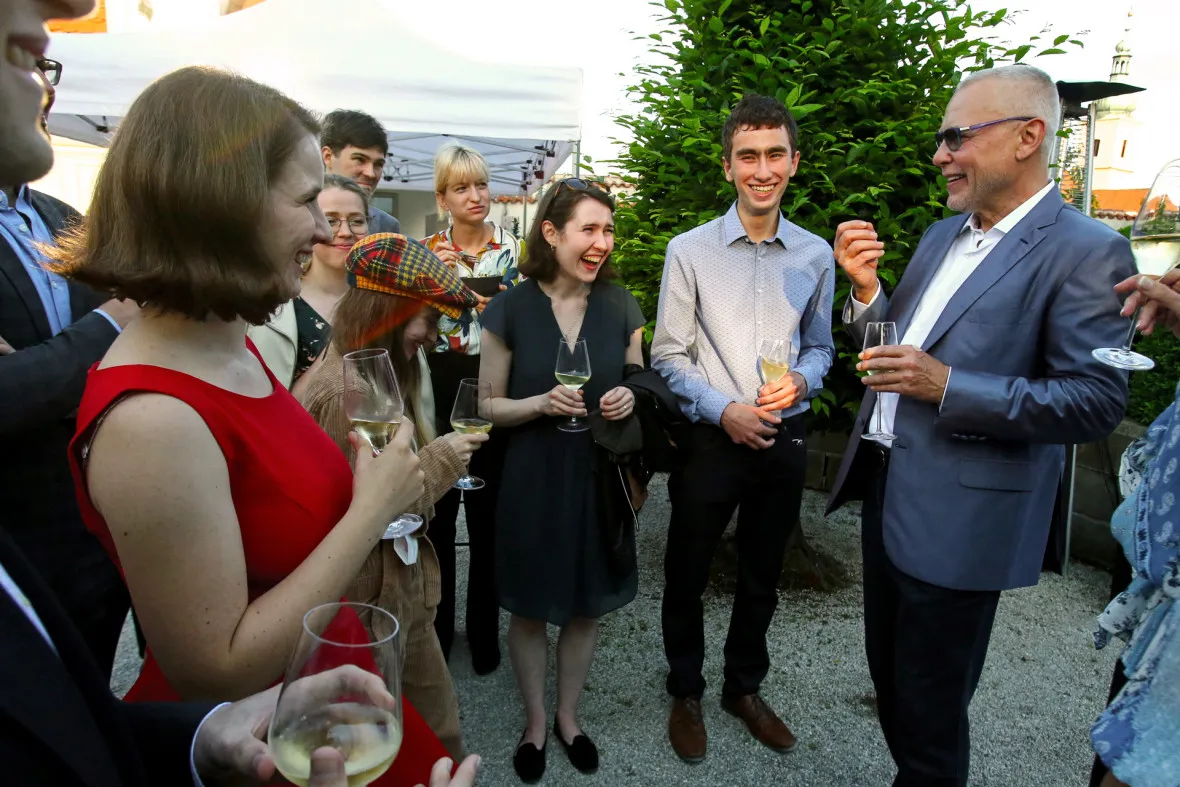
(880,406)
(1131,331)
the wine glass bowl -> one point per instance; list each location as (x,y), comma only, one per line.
(879,334)
(342,691)
(374,407)
(774,359)
(572,371)
(1155,243)
(472,414)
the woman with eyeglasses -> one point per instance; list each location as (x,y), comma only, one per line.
(552,560)
(298,333)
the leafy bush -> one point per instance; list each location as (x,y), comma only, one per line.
(868,81)
(1153,391)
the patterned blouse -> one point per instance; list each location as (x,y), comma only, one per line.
(313,332)
(500,257)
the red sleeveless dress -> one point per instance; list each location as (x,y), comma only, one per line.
(290,485)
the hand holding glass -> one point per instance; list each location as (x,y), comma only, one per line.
(879,334)
(373,404)
(340,694)
(472,414)
(1155,242)
(572,371)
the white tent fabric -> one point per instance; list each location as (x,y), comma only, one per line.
(523,119)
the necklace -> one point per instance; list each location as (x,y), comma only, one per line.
(566,332)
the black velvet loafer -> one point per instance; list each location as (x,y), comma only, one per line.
(582,752)
(529,762)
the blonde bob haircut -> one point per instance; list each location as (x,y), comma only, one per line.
(179,208)
(454,164)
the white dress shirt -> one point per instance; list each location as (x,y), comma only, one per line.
(966,254)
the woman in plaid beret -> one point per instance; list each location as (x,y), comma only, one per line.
(398,291)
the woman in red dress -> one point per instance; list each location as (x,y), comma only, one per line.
(228,511)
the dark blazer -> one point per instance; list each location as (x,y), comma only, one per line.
(59,723)
(40,387)
(972,485)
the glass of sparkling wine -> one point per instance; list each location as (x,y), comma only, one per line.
(774,359)
(373,404)
(879,334)
(572,371)
(341,694)
(472,414)
(1155,242)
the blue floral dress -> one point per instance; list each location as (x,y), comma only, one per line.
(1138,735)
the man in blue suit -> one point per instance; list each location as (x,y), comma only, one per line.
(997,313)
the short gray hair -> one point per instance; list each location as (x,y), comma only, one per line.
(1033,94)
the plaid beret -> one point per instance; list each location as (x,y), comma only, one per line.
(397,265)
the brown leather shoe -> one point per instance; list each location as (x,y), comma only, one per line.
(762,722)
(686,730)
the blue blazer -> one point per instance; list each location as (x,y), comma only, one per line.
(971,485)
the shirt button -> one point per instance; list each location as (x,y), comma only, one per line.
(24,229)
(53,285)
(759,289)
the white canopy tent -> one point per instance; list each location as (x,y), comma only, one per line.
(525,120)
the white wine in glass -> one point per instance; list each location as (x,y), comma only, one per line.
(472,414)
(879,334)
(373,405)
(340,694)
(572,371)
(1155,243)
(774,359)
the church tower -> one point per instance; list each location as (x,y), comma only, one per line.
(1116,133)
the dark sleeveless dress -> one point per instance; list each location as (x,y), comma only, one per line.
(286,501)
(550,554)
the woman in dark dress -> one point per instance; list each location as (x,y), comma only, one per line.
(551,561)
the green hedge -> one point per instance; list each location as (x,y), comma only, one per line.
(1153,391)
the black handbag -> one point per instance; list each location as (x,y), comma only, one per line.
(617,446)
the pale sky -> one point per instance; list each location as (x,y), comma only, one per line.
(593,36)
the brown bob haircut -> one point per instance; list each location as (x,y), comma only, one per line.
(557,207)
(367,319)
(177,209)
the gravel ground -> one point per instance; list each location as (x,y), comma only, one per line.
(1041,688)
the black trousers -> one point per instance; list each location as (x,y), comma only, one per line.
(715,477)
(925,645)
(483,609)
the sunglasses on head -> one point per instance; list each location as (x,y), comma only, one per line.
(953,137)
(577,184)
(51,69)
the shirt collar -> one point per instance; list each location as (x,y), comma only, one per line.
(1009,222)
(23,199)
(732,228)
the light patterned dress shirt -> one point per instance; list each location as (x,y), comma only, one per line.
(722,294)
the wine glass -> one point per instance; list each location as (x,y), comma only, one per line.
(374,407)
(879,334)
(342,690)
(1155,242)
(472,414)
(572,371)
(774,359)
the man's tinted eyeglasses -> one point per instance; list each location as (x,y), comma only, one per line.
(953,137)
(356,225)
(51,69)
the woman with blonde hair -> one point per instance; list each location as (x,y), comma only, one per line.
(228,511)
(397,293)
(473,247)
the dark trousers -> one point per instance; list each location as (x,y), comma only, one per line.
(713,478)
(483,609)
(925,645)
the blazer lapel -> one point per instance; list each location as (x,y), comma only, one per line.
(12,270)
(920,271)
(1011,249)
(45,695)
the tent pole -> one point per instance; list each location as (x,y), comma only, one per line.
(578,158)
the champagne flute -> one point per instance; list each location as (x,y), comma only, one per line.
(774,359)
(879,334)
(472,414)
(374,407)
(572,371)
(334,695)
(1155,242)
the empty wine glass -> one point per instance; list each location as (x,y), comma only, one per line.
(572,371)
(472,414)
(374,407)
(1155,242)
(342,690)
(879,334)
